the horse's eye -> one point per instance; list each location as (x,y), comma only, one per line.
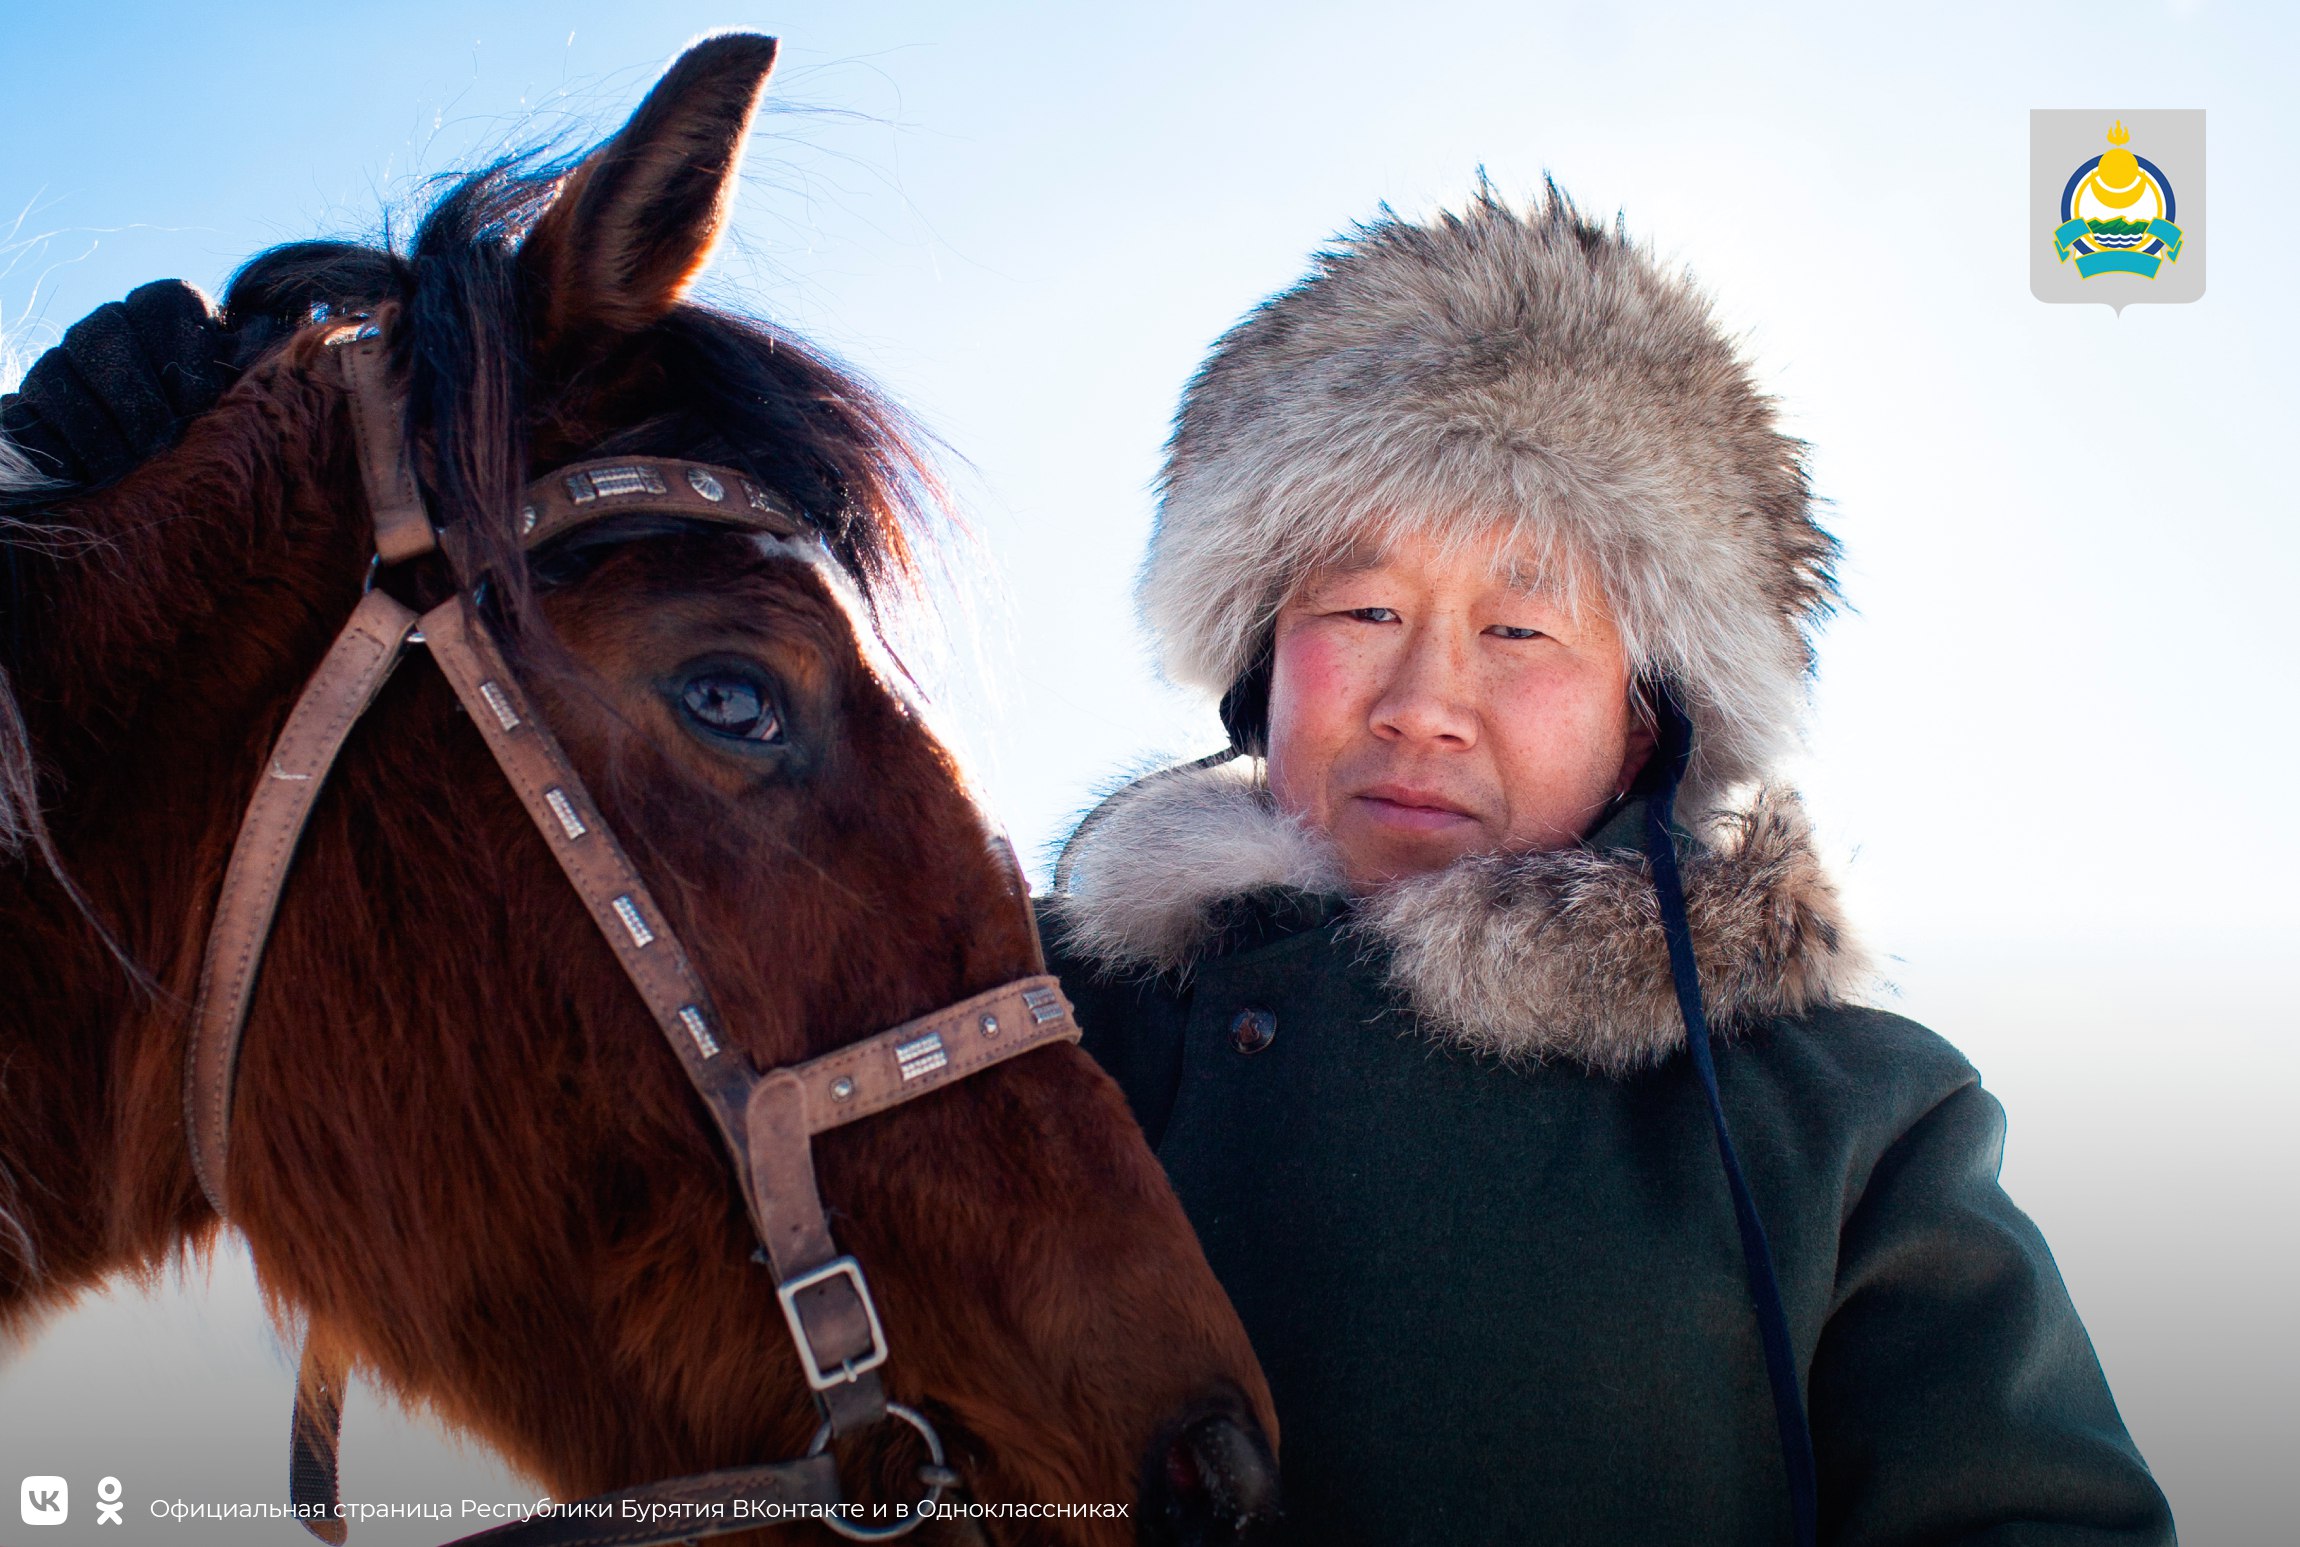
(730,705)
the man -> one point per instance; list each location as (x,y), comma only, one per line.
(1506,578)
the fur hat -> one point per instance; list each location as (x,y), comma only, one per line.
(1532,380)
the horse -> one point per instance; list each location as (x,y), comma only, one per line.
(462,1156)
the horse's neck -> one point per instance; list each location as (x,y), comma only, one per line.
(174,617)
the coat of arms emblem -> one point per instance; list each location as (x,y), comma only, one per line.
(2119,206)
(2116,214)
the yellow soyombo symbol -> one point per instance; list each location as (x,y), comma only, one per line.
(2119,180)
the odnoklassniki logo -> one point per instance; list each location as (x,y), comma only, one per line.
(2116,214)
(2117,202)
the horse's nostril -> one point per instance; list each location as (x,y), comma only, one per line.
(1212,1483)
(1182,1475)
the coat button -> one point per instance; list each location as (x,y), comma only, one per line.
(1252,1030)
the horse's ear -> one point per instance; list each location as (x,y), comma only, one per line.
(635,223)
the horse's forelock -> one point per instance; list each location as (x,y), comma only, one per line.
(757,398)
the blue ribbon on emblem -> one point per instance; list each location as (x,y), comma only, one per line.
(2114,261)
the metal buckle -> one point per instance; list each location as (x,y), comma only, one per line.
(788,1292)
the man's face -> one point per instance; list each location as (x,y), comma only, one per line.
(1424,706)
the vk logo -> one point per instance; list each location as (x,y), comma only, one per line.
(47,1500)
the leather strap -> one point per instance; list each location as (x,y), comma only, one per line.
(348,678)
(593,861)
(617,486)
(315,1440)
(378,420)
(832,1320)
(825,1297)
(932,1051)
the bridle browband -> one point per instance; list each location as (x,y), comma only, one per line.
(766,1122)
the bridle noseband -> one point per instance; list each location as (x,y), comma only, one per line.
(766,1122)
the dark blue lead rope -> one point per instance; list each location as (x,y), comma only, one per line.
(1756,1254)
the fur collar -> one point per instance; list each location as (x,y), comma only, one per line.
(1525,957)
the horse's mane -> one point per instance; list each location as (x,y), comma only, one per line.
(722,388)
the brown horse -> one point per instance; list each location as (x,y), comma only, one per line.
(460,1147)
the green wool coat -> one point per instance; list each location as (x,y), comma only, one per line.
(1501,1299)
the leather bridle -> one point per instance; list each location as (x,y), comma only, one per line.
(766,1122)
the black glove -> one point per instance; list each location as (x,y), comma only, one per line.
(122,385)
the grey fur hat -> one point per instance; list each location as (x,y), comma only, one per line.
(1532,380)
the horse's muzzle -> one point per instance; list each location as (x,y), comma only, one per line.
(1209,1479)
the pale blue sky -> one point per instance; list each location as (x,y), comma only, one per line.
(2053,742)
